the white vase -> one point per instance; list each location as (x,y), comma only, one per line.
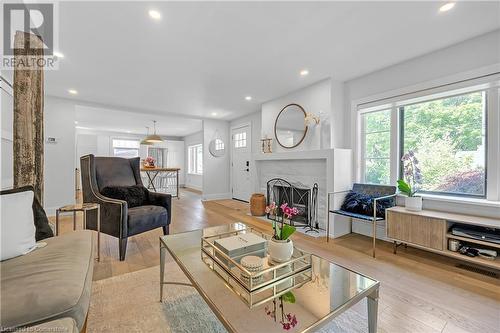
(280,250)
(413,203)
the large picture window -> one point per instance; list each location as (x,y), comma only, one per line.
(195,159)
(448,138)
(376,133)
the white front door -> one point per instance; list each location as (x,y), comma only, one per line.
(240,164)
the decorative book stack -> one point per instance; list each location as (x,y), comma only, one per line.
(241,245)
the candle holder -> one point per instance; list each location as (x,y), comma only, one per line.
(267,145)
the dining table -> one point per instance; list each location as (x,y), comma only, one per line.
(153,172)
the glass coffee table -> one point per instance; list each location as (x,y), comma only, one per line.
(330,290)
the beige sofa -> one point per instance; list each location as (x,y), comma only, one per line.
(63,325)
(48,284)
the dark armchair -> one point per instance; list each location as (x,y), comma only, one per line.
(378,192)
(117,219)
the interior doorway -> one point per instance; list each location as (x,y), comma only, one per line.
(241,153)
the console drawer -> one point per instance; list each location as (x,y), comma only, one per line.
(415,229)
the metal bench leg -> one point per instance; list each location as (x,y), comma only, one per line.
(374,226)
(327,217)
(374,236)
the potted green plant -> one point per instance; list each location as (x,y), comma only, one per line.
(411,182)
(280,246)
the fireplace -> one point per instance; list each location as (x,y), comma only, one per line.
(297,196)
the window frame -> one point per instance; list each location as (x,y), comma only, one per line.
(113,147)
(401,132)
(240,140)
(194,159)
(446,87)
(363,143)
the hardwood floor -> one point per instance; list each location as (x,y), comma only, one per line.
(420,291)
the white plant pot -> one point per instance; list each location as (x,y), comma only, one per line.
(413,203)
(280,250)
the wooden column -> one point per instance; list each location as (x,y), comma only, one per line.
(28,114)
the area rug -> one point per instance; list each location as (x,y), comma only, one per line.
(130,303)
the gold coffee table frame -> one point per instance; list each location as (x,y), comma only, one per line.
(82,208)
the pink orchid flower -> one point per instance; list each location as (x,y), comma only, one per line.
(271,208)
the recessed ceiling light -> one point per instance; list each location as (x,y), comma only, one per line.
(154,14)
(304,72)
(76,122)
(446,7)
(129,131)
(248,98)
(72,91)
(58,54)
(214,114)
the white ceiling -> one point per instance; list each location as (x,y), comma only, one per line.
(92,118)
(202,58)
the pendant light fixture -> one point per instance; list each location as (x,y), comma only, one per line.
(154,138)
(144,142)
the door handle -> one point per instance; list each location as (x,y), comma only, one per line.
(247,170)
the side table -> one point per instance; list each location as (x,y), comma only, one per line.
(84,207)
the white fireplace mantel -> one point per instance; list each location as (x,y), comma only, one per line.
(329,168)
(338,164)
(297,155)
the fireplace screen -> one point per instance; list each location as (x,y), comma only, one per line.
(281,191)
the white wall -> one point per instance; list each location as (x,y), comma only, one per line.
(59,167)
(468,55)
(338,132)
(216,169)
(324,99)
(192,181)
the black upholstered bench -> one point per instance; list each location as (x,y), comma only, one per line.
(378,192)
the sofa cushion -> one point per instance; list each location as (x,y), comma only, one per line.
(145,218)
(362,204)
(17,227)
(49,283)
(135,195)
(43,229)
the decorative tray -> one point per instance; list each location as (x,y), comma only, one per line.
(256,288)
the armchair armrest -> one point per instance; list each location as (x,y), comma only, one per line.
(113,215)
(385,197)
(380,198)
(163,200)
(328,195)
(336,192)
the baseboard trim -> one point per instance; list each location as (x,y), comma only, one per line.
(216,196)
(194,187)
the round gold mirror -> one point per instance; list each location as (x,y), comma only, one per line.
(217,148)
(290,128)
